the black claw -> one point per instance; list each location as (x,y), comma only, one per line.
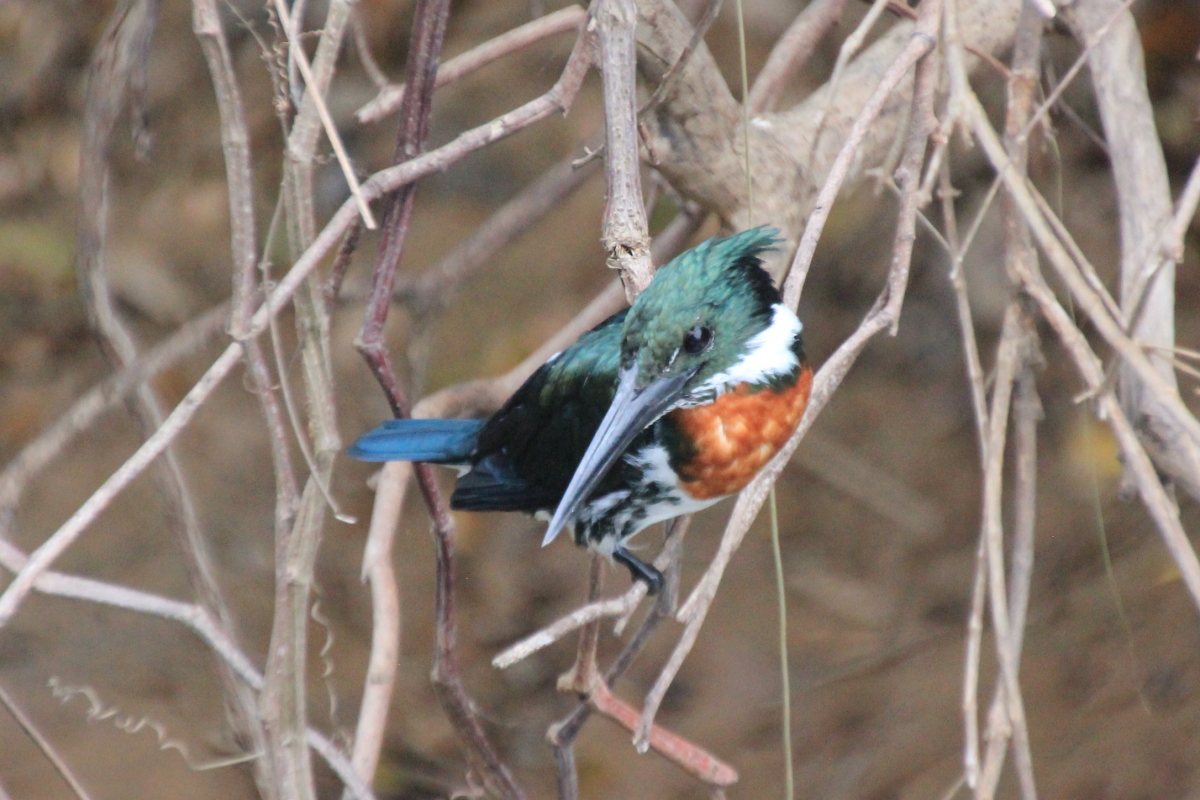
(640,570)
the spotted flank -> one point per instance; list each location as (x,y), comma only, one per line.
(613,518)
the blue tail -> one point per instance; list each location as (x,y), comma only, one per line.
(439,441)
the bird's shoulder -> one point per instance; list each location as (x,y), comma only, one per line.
(547,424)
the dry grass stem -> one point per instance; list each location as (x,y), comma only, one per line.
(296,52)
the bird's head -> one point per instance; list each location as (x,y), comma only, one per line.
(703,315)
(710,320)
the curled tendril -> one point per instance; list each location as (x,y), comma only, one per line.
(98,712)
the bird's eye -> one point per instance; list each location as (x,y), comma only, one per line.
(698,340)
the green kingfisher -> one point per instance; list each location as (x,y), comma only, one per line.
(661,410)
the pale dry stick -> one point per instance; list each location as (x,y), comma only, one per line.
(1147,278)
(1167,521)
(792,51)
(883,315)
(834,370)
(365,56)
(668,80)
(1009,710)
(235,146)
(312,316)
(43,744)
(331,132)
(116,77)
(286,760)
(559,97)
(1007,718)
(1170,251)
(1081,61)
(41,451)
(919,44)
(1185,212)
(390,96)
(624,231)
(971,664)
(191,616)
(1112,330)
(432,288)
(966,322)
(1021,258)
(849,48)
(379,571)
(1085,267)
(284,696)
(975,379)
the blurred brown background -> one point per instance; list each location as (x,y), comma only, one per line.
(879,512)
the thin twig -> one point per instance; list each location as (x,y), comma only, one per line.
(39,453)
(918,46)
(883,315)
(335,139)
(849,48)
(792,51)
(380,572)
(194,618)
(43,744)
(560,96)
(391,96)
(1086,361)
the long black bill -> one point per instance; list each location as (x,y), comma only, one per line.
(632,410)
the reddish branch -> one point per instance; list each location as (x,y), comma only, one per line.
(429,27)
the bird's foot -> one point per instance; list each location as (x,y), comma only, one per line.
(640,570)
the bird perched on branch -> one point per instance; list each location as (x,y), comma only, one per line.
(661,410)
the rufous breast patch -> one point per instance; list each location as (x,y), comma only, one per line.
(737,434)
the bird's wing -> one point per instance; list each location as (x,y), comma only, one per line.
(528,451)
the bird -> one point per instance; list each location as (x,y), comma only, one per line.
(661,410)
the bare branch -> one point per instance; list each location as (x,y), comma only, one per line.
(378,570)
(625,235)
(883,315)
(386,180)
(39,453)
(191,616)
(391,96)
(1114,55)
(792,51)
